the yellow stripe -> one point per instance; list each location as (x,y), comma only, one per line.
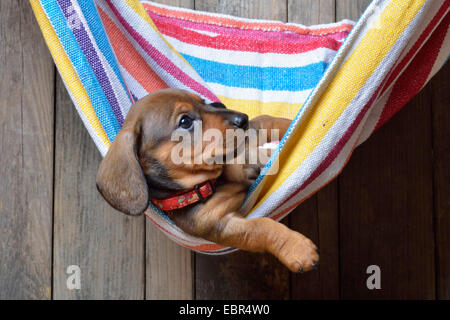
(140,10)
(353,74)
(67,72)
(256,108)
(137,6)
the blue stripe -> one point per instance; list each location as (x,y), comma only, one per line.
(161,213)
(262,78)
(84,71)
(98,31)
(86,45)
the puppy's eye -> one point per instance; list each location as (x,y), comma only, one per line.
(186,122)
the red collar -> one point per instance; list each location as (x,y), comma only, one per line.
(201,193)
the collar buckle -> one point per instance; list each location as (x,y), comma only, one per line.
(199,194)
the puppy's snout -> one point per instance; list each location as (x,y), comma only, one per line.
(241,121)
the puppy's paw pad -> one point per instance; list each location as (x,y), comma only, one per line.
(299,254)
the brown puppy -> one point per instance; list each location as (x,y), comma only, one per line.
(139,168)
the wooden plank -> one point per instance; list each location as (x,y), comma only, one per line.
(178,3)
(242,275)
(169,267)
(26,161)
(311,12)
(350,9)
(106,245)
(257,9)
(441,151)
(386,209)
(317,217)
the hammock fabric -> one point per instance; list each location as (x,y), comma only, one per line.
(338,82)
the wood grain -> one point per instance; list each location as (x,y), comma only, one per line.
(386,203)
(242,275)
(169,267)
(386,209)
(441,151)
(178,3)
(311,12)
(106,245)
(257,9)
(350,9)
(317,217)
(26,161)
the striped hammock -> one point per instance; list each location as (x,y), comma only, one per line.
(337,82)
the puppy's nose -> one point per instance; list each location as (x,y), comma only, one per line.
(241,121)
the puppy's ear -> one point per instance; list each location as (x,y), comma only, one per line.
(120,179)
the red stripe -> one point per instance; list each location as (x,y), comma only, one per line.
(130,58)
(415,76)
(161,21)
(414,49)
(224,42)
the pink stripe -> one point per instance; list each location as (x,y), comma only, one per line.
(162,60)
(248,45)
(232,22)
(163,21)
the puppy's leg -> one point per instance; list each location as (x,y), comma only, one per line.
(269,123)
(218,220)
(294,250)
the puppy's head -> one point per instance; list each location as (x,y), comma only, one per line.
(140,161)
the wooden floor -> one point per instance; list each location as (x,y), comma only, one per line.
(390,207)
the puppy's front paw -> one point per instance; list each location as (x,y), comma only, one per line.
(298,253)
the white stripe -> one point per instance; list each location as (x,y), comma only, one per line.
(132,84)
(375,115)
(296,97)
(207,33)
(244,58)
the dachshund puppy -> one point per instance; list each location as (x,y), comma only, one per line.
(203,198)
